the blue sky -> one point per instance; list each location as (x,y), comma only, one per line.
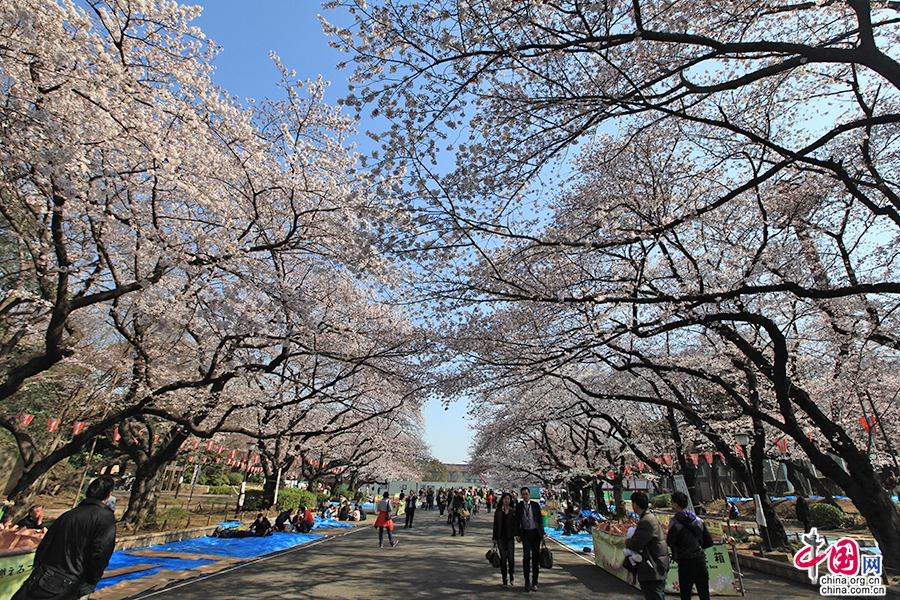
(247,33)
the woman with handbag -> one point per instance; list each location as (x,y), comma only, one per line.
(384,520)
(505,536)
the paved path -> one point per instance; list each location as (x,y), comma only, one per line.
(427,563)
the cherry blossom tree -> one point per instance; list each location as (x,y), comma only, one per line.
(222,244)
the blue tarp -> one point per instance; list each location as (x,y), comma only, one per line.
(248,547)
(320,522)
(575,541)
(121,559)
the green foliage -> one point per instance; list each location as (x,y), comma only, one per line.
(235,478)
(434,470)
(222,490)
(295,498)
(213,474)
(662,501)
(826,516)
(321,497)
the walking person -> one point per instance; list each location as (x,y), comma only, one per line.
(530,532)
(649,541)
(688,537)
(410,511)
(505,536)
(70,560)
(385,520)
(457,511)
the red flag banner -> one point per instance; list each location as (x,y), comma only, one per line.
(782,445)
(77,427)
(740,450)
(116,435)
(695,458)
(709,457)
(52,424)
(26,419)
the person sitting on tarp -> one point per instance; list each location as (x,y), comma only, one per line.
(570,525)
(344,513)
(303,521)
(283,520)
(261,526)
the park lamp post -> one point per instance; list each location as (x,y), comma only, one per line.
(251,446)
(743,440)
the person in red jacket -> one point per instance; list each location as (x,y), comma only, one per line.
(70,560)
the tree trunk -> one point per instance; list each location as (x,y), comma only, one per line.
(618,488)
(269,486)
(599,498)
(143,499)
(774,526)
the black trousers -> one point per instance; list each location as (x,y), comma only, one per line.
(531,551)
(410,513)
(693,572)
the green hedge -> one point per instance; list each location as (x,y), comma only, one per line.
(662,501)
(222,490)
(825,516)
(295,498)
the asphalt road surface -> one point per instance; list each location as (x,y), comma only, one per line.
(427,563)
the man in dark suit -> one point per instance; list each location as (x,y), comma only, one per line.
(530,531)
(650,540)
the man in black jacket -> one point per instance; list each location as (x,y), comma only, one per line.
(687,537)
(530,531)
(70,560)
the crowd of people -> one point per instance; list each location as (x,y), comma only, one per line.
(517,520)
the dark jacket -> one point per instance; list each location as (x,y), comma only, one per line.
(649,540)
(457,504)
(79,543)
(29,522)
(687,537)
(533,506)
(504,524)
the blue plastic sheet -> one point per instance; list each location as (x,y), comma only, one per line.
(248,547)
(121,559)
(575,541)
(320,522)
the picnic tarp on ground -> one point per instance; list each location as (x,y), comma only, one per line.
(248,547)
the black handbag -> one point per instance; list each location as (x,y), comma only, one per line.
(493,557)
(545,558)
